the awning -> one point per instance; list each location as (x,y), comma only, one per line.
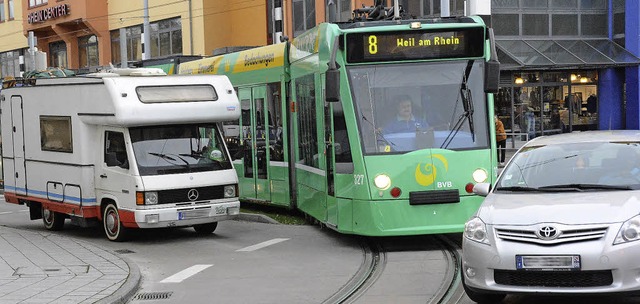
(562,54)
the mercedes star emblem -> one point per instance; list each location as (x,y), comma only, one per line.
(193,194)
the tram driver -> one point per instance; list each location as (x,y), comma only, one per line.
(405,121)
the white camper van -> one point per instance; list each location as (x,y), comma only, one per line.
(125,151)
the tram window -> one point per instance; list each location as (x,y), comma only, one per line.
(231,130)
(342,148)
(307,129)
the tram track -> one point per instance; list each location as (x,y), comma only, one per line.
(375,261)
(373,264)
(450,291)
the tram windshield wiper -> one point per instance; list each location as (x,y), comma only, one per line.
(378,133)
(467,104)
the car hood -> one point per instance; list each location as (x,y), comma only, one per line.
(567,208)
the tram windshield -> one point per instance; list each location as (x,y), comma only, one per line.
(412,106)
(179,149)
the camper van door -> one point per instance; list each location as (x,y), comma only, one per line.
(18,146)
(113,177)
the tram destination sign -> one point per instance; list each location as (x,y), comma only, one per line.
(415,45)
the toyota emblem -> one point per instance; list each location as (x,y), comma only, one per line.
(548,233)
(192,195)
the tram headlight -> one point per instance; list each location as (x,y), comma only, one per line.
(476,230)
(382,181)
(480,175)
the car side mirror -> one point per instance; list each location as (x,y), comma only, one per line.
(482,189)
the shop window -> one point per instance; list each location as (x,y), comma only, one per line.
(88,51)
(11,10)
(10,64)
(132,40)
(3,17)
(304,16)
(506,24)
(535,25)
(564,4)
(504,4)
(58,54)
(166,37)
(540,4)
(33,3)
(594,25)
(593,4)
(564,24)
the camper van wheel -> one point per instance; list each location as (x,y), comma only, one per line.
(206,228)
(111,222)
(52,220)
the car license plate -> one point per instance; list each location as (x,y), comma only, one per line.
(548,262)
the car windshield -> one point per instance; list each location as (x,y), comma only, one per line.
(591,165)
(406,107)
(179,149)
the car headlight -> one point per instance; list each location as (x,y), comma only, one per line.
(476,230)
(230,191)
(151,198)
(629,232)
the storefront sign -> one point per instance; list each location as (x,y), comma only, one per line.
(48,13)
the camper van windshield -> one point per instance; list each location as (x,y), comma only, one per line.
(179,149)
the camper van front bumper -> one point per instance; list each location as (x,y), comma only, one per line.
(187,216)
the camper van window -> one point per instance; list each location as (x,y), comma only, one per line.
(55,134)
(182,93)
(179,149)
(115,151)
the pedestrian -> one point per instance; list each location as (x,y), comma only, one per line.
(501,140)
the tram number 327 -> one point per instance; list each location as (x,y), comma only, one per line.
(358,179)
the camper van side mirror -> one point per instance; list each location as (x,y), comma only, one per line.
(492,76)
(332,85)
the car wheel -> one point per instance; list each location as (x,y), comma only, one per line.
(206,228)
(481,297)
(52,220)
(113,228)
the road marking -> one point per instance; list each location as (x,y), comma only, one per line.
(185,274)
(11,212)
(262,245)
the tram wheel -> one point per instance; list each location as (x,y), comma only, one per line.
(113,228)
(205,229)
(52,220)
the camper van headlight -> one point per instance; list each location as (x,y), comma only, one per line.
(230,191)
(151,198)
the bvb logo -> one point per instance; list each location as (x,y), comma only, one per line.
(427,176)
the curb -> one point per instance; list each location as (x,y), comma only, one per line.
(253,217)
(128,289)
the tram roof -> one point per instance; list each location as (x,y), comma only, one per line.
(440,20)
(545,54)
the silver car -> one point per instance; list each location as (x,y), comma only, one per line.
(563,218)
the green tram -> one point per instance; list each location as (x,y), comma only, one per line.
(322,131)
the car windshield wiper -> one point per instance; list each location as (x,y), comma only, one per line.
(167,157)
(518,188)
(467,104)
(579,187)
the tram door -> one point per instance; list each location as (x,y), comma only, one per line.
(254,179)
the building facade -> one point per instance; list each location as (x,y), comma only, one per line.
(566,64)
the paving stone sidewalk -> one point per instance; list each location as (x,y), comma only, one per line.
(42,267)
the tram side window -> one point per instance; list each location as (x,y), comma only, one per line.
(307,129)
(341,139)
